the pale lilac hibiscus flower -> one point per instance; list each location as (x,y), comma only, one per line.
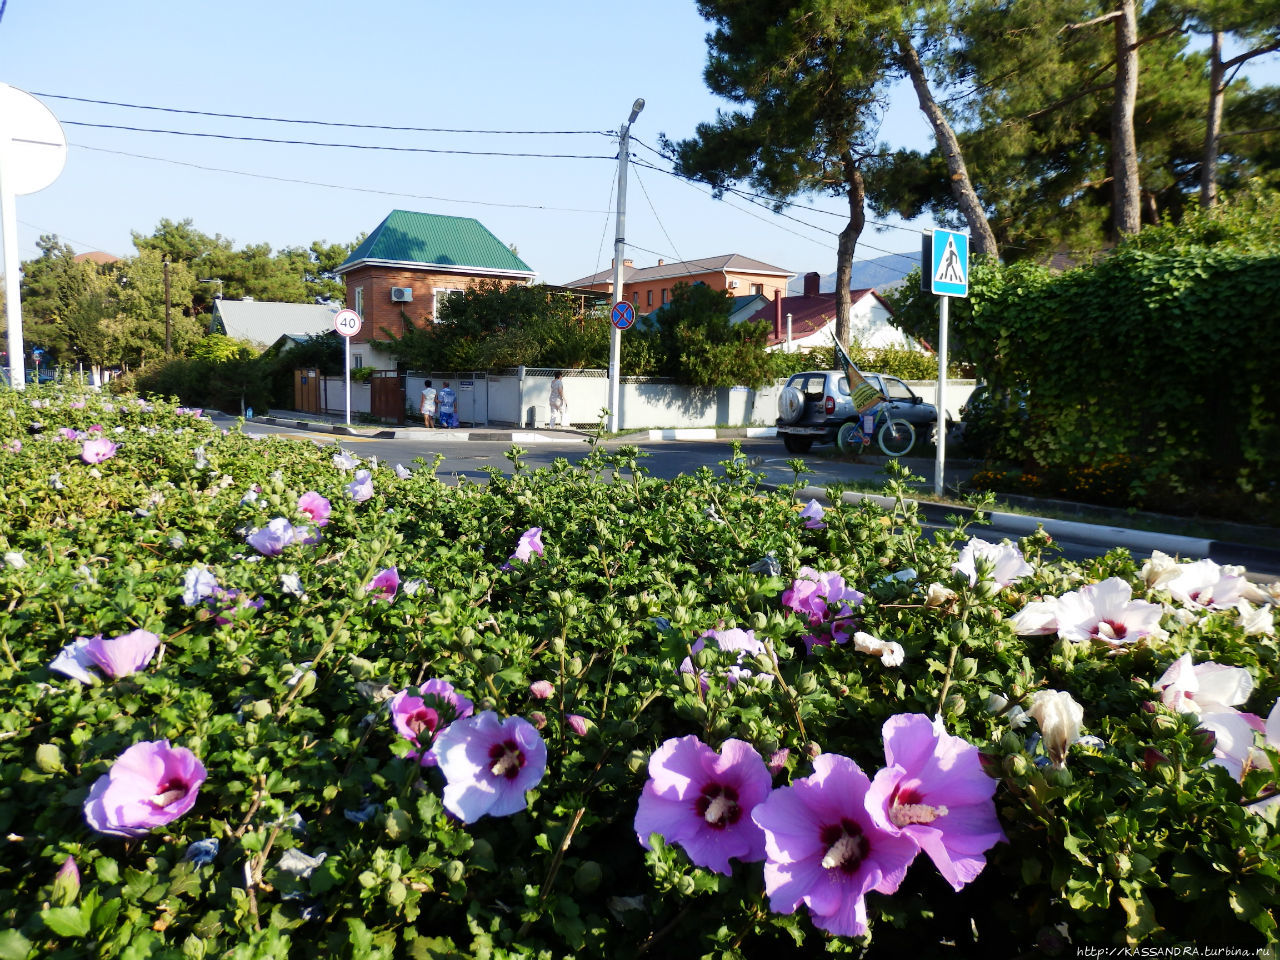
(1006,561)
(420,719)
(315,507)
(702,800)
(1204,585)
(814,595)
(99,450)
(489,764)
(1203,688)
(361,488)
(530,545)
(824,849)
(198,584)
(735,639)
(345,461)
(149,785)
(384,585)
(934,791)
(1106,611)
(123,655)
(1037,618)
(812,514)
(271,540)
(73,661)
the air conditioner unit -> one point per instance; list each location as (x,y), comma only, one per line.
(733,284)
(402,295)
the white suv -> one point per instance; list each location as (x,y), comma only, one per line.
(815,405)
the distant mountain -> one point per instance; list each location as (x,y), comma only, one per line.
(881,273)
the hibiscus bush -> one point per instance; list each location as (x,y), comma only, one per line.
(262,699)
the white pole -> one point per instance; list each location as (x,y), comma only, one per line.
(347,376)
(619,248)
(940,462)
(788,350)
(12,279)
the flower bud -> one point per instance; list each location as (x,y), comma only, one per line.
(557,645)
(955,704)
(1152,758)
(685,886)
(689,682)
(1059,717)
(66,884)
(542,689)
(1015,765)
(577,723)
(992,764)
(958,632)
(587,877)
(807,683)
(778,761)
(454,870)
(812,750)
(704,658)
(575,667)
(637,760)
(538,719)
(492,663)
(49,758)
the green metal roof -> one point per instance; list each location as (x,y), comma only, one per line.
(429,238)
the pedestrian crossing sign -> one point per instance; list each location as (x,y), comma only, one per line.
(948,263)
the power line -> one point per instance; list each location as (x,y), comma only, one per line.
(347,146)
(661,225)
(788,203)
(332,186)
(319,123)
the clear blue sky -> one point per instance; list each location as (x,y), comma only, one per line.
(496,65)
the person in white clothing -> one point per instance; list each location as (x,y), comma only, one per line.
(559,409)
(428,406)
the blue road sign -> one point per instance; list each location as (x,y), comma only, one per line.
(950,266)
(624,315)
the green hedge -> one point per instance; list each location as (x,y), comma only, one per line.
(315,833)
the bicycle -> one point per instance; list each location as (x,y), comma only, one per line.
(894,437)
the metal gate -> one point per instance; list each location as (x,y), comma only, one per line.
(386,396)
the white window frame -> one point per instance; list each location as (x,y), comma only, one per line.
(359,304)
(357,360)
(438,294)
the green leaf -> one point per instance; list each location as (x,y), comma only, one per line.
(13,945)
(66,921)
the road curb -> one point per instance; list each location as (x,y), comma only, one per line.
(1137,541)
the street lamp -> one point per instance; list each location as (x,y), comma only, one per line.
(619,247)
(218,295)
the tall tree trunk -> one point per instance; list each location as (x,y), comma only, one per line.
(1213,123)
(1124,145)
(983,240)
(848,243)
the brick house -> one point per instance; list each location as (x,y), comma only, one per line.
(648,288)
(813,320)
(409,264)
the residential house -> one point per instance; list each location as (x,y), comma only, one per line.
(409,264)
(648,288)
(264,323)
(809,320)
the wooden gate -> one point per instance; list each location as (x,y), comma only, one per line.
(306,391)
(386,396)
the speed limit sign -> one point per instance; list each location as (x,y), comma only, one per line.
(347,322)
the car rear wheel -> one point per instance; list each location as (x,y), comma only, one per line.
(796,444)
(790,405)
(896,438)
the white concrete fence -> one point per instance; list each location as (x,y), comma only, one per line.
(520,397)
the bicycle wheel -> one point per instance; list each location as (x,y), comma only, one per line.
(896,437)
(849,438)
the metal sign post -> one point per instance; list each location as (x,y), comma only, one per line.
(944,254)
(347,322)
(619,248)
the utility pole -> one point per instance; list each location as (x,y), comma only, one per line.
(168,322)
(619,248)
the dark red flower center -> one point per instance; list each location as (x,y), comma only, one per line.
(506,759)
(1118,629)
(423,719)
(718,806)
(168,791)
(846,846)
